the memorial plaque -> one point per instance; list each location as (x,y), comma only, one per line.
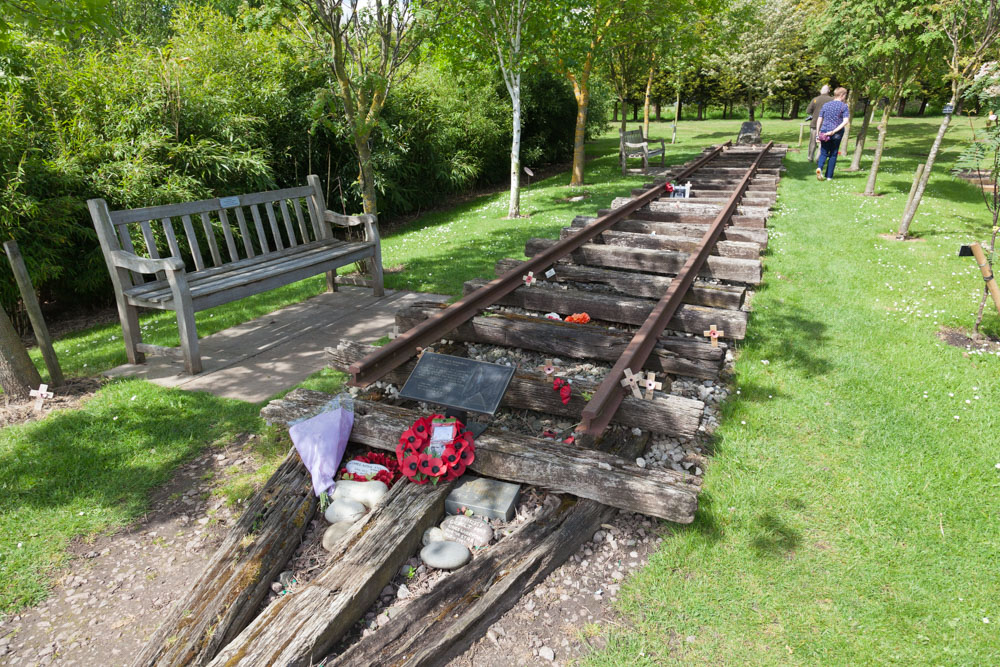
(457,382)
(229,202)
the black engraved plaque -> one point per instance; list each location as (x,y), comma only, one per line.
(457,382)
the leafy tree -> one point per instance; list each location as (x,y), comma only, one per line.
(65,19)
(971,29)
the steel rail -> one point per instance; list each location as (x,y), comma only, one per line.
(602,406)
(404,346)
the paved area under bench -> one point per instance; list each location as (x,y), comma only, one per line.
(257,359)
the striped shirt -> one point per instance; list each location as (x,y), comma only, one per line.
(834,113)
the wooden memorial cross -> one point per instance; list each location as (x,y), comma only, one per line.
(548,367)
(529,279)
(714,334)
(631,380)
(40,395)
(651,384)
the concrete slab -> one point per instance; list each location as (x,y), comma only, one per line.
(257,359)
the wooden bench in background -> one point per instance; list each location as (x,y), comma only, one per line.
(279,246)
(634,145)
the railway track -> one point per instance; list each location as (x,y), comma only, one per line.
(654,274)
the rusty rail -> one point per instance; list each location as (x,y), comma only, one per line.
(404,346)
(601,408)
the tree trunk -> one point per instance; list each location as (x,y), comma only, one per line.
(624,123)
(782,114)
(615,117)
(923,107)
(677,116)
(883,127)
(911,211)
(366,175)
(514,210)
(752,108)
(18,376)
(658,111)
(581,90)
(701,111)
(645,108)
(725,106)
(852,101)
(635,112)
(794,113)
(859,143)
(901,109)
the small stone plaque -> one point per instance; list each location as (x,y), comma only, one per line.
(229,202)
(364,468)
(486,497)
(466,530)
(456,382)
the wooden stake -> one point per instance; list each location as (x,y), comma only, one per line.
(34,312)
(984,266)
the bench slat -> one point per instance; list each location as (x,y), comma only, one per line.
(203,206)
(247,241)
(213,246)
(288,224)
(227,231)
(168,230)
(265,249)
(147,234)
(269,209)
(199,262)
(202,285)
(302,222)
(126,244)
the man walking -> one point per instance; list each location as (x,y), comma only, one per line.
(813,110)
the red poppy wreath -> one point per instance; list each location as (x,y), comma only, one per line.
(372,466)
(435,448)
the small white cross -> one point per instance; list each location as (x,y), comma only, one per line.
(687,190)
(529,279)
(651,384)
(631,380)
(40,395)
(424,349)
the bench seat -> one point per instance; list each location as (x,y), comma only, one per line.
(222,284)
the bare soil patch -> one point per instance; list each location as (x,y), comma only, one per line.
(70,395)
(972,342)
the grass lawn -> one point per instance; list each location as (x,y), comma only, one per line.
(850,514)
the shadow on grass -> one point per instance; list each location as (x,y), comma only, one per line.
(772,537)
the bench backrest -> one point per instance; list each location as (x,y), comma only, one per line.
(632,137)
(219,227)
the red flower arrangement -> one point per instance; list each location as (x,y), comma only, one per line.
(578,318)
(669,188)
(422,466)
(388,476)
(563,387)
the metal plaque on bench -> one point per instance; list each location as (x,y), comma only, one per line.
(457,382)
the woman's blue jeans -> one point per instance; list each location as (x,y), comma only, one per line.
(828,153)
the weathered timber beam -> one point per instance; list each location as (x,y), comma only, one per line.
(620,309)
(738,249)
(532,390)
(639,284)
(221,601)
(675,356)
(751,221)
(663,262)
(693,229)
(299,629)
(693,206)
(586,473)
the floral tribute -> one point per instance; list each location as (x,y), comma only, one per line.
(563,387)
(435,448)
(389,476)
(669,188)
(578,318)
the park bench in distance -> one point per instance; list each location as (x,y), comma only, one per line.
(634,145)
(287,250)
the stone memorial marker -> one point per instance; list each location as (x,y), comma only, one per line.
(456,382)
(486,497)
(466,530)
(749,132)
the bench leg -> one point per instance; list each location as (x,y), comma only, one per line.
(378,284)
(331,281)
(185,321)
(645,164)
(131,333)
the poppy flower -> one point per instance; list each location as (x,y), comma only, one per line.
(411,466)
(557,383)
(564,393)
(455,472)
(570,440)
(578,318)
(468,455)
(549,433)
(450,456)
(435,467)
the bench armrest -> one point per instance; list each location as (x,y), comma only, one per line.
(127,260)
(367,219)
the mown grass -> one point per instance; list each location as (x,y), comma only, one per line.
(849,514)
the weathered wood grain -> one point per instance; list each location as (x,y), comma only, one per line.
(638,284)
(220,602)
(663,262)
(586,473)
(674,355)
(300,628)
(619,309)
(742,221)
(532,390)
(696,230)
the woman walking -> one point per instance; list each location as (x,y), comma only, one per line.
(833,118)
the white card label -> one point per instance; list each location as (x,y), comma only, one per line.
(550,273)
(364,469)
(229,202)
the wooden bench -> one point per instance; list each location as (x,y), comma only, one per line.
(634,145)
(279,246)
